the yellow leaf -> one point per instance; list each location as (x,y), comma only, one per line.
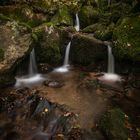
(46,110)
(60,135)
(129,139)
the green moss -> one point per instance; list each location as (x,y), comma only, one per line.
(34,36)
(101,31)
(113,125)
(88,15)
(4,18)
(49,52)
(62,17)
(102,4)
(104,32)
(50,6)
(47,48)
(126,38)
(39,30)
(24,14)
(118,10)
(1,54)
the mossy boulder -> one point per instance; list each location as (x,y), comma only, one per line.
(119,10)
(51,6)
(24,13)
(86,50)
(112,125)
(62,17)
(48,46)
(88,15)
(101,31)
(15,45)
(126,38)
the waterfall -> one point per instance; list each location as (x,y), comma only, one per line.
(32,64)
(33,78)
(65,67)
(66,60)
(110,60)
(110,75)
(77,22)
(109,2)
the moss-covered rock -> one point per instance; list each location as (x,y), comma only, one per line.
(119,10)
(126,38)
(51,6)
(101,31)
(86,50)
(113,125)
(88,15)
(15,45)
(47,48)
(24,13)
(62,17)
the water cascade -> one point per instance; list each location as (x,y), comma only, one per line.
(110,75)
(77,23)
(65,66)
(66,60)
(110,60)
(32,64)
(33,77)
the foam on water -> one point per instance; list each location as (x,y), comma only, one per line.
(62,69)
(28,81)
(110,77)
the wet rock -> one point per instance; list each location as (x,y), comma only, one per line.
(15,44)
(55,84)
(43,106)
(86,50)
(113,125)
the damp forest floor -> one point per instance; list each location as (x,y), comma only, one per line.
(66,106)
